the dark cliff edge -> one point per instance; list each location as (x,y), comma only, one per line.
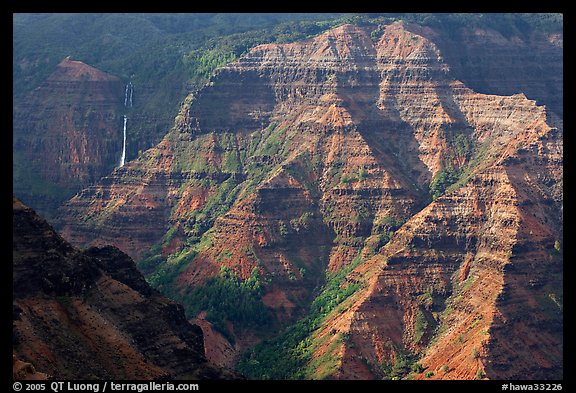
(89,314)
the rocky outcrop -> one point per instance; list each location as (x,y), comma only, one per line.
(91,315)
(452,280)
(67,134)
(300,159)
(25,371)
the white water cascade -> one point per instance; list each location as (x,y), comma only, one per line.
(128,95)
(123,158)
(128,92)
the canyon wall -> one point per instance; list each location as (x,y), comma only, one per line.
(67,134)
(347,150)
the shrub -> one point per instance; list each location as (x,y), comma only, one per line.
(283,228)
(403,364)
(479,374)
(417,368)
(475,353)
(445,177)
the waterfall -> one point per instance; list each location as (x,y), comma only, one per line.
(131,92)
(123,158)
(128,92)
(128,95)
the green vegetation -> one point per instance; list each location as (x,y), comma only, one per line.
(287,356)
(446,176)
(204,62)
(282,228)
(64,300)
(303,222)
(556,252)
(479,374)
(150,262)
(417,368)
(360,175)
(200,220)
(383,229)
(455,167)
(164,50)
(153,258)
(227,298)
(346,179)
(426,299)
(274,143)
(167,270)
(165,56)
(403,364)
(224,184)
(306,170)
(475,353)
(265,148)
(507,24)
(27,184)
(462,144)
(374,243)
(421,325)
(387,223)
(326,365)
(551,304)
(168,55)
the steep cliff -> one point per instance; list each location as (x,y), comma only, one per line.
(449,285)
(67,134)
(90,314)
(352,179)
(470,287)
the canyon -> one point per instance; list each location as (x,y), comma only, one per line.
(386,202)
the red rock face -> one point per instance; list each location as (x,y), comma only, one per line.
(67,134)
(298,158)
